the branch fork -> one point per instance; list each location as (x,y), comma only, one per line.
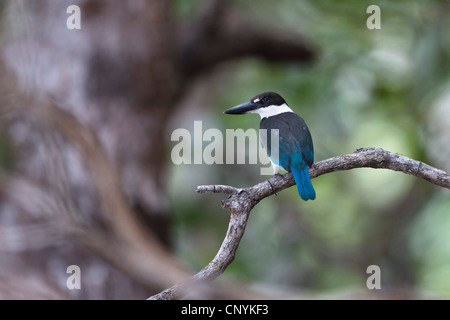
(242,200)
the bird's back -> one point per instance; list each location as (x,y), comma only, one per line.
(294,137)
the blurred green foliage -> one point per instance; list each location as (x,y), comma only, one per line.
(385,88)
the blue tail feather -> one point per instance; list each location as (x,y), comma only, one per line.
(304,185)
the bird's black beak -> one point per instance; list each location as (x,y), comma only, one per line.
(242,108)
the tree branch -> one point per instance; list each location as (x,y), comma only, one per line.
(241,202)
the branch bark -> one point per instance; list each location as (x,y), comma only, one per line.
(242,201)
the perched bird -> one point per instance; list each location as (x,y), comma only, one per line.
(296,151)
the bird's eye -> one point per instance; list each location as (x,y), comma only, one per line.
(265,99)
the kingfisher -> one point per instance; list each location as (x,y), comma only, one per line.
(296,151)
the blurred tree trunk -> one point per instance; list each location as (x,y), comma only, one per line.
(121,76)
(116,76)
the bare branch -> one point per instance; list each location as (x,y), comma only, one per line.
(376,158)
(241,202)
(218,189)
